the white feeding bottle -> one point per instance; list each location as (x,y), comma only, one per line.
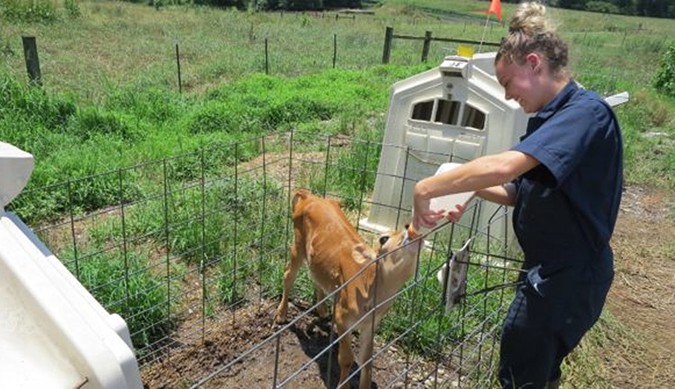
(449,202)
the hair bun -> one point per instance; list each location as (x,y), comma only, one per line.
(529,19)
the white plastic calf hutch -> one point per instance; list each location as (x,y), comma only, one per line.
(452,113)
(53,333)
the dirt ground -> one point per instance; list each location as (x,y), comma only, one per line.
(641,354)
(638,352)
(298,345)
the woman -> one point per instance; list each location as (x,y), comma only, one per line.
(564,179)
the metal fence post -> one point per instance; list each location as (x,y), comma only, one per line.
(180,84)
(267,59)
(334,49)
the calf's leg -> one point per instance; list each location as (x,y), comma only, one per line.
(290,272)
(365,353)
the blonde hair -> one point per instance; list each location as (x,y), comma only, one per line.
(530,31)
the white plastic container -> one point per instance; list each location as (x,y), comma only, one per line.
(16,167)
(53,333)
(449,202)
(455,112)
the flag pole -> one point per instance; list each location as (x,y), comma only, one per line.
(487,19)
(496,8)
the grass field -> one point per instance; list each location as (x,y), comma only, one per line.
(110,95)
(117,60)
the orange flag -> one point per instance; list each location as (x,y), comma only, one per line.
(495,8)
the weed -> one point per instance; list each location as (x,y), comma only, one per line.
(123,285)
(73,8)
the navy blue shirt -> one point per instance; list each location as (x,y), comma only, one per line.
(567,206)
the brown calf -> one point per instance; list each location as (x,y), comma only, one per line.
(335,253)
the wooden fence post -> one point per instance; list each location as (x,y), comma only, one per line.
(388,36)
(425,48)
(32,60)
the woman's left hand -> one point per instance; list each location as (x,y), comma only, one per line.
(455,214)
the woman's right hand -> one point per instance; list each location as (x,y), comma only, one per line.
(423,216)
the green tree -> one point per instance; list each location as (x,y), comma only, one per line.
(342,3)
(626,7)
(602,7)
(572,4)
(653,8)
(665,77)
(301,5)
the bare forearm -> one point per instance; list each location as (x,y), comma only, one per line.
(481,173)
(500,194)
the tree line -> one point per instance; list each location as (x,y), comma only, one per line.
(267,5)
(650,8)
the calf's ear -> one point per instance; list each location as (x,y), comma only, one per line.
(363,253)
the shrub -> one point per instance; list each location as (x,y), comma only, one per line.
(33,104)
(32,120)
(602,7)
(665,77)
(298,5)
(213,116)
(72,8)
(31,11)
(239,4)
(93,121)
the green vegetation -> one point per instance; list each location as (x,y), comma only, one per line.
(43,11)
(123,284)
(422,307)
(38,11)
(134,127)
(665,78)
(118,101)
(648,128)
(167,190)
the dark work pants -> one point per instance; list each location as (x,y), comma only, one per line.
(545,321)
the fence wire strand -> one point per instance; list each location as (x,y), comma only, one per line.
(212,244)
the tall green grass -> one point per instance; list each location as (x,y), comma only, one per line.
(123,284)
(648,125)
(117,98)
(135,127)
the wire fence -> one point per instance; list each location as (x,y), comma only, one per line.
(190,250)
